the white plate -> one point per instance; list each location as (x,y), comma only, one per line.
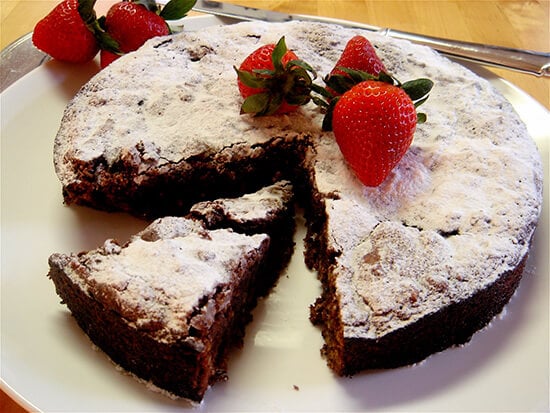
(48,364)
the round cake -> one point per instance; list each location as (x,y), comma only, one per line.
(408,268)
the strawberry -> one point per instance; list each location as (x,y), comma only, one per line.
(372,114)
(106,57)
(374,123)
(131,23)
(272,80)
(360,55)
(66,33)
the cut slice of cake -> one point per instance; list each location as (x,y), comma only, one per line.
(169,304)
(270,210)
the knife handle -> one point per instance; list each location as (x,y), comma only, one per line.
(527,61)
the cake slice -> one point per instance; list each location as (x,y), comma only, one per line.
(269,210)
(168,305)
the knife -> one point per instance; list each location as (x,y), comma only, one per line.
(526,61)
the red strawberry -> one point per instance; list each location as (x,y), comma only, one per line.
(359,54)
(106,57)
(273,80)
(132,24)
(66,33)
(374,123)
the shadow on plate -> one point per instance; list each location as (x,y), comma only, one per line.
(70,77)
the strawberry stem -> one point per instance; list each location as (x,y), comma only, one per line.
(176,9)
(336,85)
(288,82)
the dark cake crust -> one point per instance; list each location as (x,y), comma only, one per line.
(171,189)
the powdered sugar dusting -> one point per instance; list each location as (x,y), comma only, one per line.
(158,279)
(467,194)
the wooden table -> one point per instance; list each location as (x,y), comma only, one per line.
(519,24)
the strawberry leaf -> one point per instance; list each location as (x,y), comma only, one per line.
(106,41)
(303,65)
(320,91)
(250,79)
(278,53)
(264,72)
(351,77)
(417,103)
(418,89)
(261,104)
(176,9)
(97,26)
(339,84)
(386,77)
(358,76)
(327,120)
(255,103)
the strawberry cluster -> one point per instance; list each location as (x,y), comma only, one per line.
(372,114)
(72,33)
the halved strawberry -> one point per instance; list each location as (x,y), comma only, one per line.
(67,33)
(273,80)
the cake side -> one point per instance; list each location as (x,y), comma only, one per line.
(450,325)
(250,213)
(169,304)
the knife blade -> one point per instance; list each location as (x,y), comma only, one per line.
(526,61)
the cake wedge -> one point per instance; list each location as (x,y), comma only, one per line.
(168,305)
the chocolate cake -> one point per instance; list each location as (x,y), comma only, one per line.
(408,268)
